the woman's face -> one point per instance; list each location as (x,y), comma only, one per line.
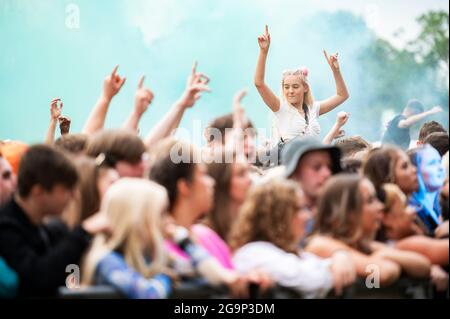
(399,220)
(106,177)
(240,181)
(294,89)
(301,218)
(431,168)
(372,210)
(405,174)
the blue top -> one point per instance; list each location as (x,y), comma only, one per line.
(9,281)
(114,271)
(427,212)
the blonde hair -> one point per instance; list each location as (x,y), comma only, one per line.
(302,75)
(134,208)
(308,99)
(267,215)
(392,193)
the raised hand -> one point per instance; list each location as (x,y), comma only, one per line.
(342,118)
(196,84)
(64,124)
(55,109)
(436,109)
(264,40)
(143,97)
(239,119)
(112,84)
(337,131)
(332,60)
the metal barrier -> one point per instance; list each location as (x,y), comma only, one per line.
(404,288)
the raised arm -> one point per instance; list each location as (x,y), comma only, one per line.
(55,113)
(234,140)
(266,93)
(196,84)
(416,118)
(341,90)
(336,130)
(111,86)
(143,98)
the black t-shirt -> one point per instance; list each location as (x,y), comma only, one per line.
(396,135)
(38,253)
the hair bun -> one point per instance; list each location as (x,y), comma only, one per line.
(304,71)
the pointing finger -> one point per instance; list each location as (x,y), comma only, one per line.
(326,55)
(115,70)
(194,68)
(141,82)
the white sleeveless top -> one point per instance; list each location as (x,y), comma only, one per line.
(289,123)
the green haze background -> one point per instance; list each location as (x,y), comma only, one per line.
(42,57)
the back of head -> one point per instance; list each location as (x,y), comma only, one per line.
(351,165)
(45,166)
(172,160)
(72,143)
(439,140)
(120,145)
(428,128)
(340,208)
(267,215)
(352,145)
(414,106)
(222,124)
(134,203)
(134,209)
(219,124)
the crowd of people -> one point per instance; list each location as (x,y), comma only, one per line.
(144,214)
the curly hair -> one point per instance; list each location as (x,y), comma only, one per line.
(267,215)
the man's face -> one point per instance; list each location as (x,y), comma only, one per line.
(7,181)
(313,170)
(55,201)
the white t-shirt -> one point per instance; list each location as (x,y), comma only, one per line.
(289,123)
(306,273)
